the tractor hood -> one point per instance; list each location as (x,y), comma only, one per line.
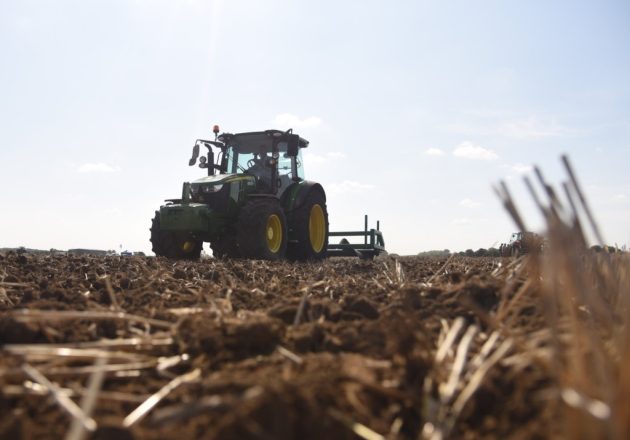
(219,178)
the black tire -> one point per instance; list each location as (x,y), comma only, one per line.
(225,246)
(174,245)
(310,243)
(261,230)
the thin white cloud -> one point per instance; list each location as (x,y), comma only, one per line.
(434,152)
(288,120)
(468,150)
(316,159)
(349,186)
(532,128)
(461,221)
(469,203)
(521,168)
(116,212)
(464,221)
(99,167)
(524,128)
(336,155)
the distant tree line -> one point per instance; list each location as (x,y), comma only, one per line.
(494,252)
(609,249)
(435,253)
(481,252)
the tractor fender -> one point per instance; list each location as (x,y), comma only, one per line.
(294,196)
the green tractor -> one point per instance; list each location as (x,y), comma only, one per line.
(254,202)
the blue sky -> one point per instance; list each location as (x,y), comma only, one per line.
(413,109)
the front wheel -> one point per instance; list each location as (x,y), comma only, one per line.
(174,245)
(261,230)
(310,229)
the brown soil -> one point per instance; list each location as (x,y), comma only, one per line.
(285,351)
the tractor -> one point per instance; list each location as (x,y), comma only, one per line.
(521,243)
(254,202)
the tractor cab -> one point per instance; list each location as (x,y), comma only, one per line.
(516,238)
(267,156)
(272,158)
(520,243)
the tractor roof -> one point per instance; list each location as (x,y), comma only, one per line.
(256,141)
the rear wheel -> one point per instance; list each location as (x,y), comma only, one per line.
(261,230)
(174,245)
(310,229)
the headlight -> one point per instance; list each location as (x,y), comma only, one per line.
(212,188)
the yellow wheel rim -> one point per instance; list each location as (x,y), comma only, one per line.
(317,228)
(188,246)
(274,233)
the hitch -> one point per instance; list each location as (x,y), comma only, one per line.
(373,243)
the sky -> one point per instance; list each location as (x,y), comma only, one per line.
(413,110)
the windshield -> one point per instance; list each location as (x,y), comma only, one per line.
(238,163)
(284,165)
(242,162)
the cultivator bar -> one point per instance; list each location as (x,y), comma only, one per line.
(373,243)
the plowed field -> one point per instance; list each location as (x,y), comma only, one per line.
(147,348)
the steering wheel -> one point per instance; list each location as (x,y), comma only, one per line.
(251,163)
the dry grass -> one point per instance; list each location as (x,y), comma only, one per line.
(584,345)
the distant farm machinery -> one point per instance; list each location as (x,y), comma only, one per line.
(257,206)
(521,243)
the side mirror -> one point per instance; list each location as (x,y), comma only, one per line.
(292,144)
(186,192)
(195,155)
